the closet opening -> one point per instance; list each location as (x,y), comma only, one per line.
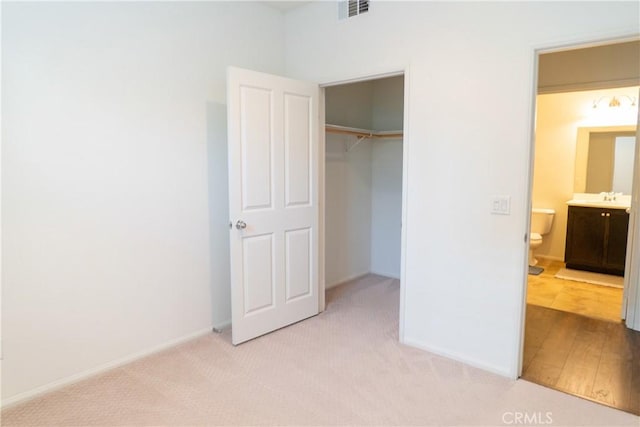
(363,192)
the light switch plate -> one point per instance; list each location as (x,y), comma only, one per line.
(501,205)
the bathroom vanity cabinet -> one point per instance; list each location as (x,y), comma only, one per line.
(597,239)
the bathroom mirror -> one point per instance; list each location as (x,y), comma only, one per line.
(604,159)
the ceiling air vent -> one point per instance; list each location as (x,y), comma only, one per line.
(349,8)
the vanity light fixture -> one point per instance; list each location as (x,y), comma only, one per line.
(615,101)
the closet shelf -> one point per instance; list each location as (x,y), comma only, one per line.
(363,133)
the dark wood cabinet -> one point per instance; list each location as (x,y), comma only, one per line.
(597,239)
(616,240)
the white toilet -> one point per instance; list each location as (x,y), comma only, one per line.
(541,220)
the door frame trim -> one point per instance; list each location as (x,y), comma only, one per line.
(536,51)
(631,297)
(392,72)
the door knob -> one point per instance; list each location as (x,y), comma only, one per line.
(241,225)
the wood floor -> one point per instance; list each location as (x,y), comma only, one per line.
(583,356)
(575,341)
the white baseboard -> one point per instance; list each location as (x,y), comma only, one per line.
(459,358)
(222,326)
(27,395)
(385,274)
(346,279)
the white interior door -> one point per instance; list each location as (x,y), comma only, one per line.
(273,201)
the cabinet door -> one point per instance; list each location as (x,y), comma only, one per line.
(616,241)
(585,238)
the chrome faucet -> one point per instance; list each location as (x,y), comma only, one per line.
(609,197)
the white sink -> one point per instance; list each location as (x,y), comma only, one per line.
(589,203)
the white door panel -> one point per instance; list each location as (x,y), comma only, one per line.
(273,190)
(297,140)
(257,146)
(298,251)
(258,273)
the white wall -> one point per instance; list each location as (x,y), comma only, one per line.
(594,67)
(347,184)
(348,210)
(386,177)
(363,208)
(387,109)
(219,266)
(471,84)
(350,105)
(559,116)
(114,178)
(386,206)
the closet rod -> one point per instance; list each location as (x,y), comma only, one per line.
(389,134)
(362,133)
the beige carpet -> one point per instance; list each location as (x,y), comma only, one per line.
(343,367)
(589,277)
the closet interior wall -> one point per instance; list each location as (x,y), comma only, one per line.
(363,182)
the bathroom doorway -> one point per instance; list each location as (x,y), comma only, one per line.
(575,337)
(581,121)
